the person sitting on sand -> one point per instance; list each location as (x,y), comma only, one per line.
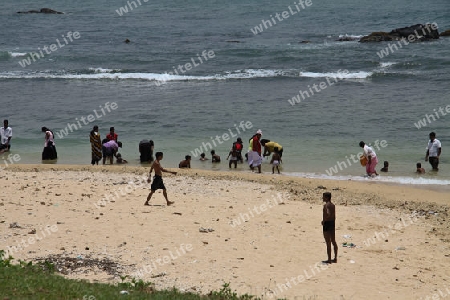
(275,161)
(120,160)
(186,163)
(234,157)
(215,157)
(419,168)
(385,167)
(202,157)
(329,227)
(157,180)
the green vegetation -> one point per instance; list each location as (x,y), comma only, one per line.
(26,280)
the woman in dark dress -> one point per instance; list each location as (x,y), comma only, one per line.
(49,152)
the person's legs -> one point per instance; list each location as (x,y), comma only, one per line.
(229,164)
(434,162)
(149,197)
(167,199)
(278,169)
(273,169)
(333,241)
(327,237)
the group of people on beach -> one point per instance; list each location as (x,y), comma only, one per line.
(369,158)
(254,156)
(49,152)
(107,148)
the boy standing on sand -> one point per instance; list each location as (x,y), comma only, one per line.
(328,223)
(157,180)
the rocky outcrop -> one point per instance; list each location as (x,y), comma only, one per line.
(414,33)
(42,11)
(445,33)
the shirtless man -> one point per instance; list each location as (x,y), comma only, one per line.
(157,180)
(328,223)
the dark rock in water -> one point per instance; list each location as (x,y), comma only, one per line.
(42,11)
(127,41)
(414,33)
(346,38)
(305,42)
(233,41)
(445,33)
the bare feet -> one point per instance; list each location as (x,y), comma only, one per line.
(170,203)
(334,261)
(146,203)
(327,261)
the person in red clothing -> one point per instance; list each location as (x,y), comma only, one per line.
(238,146)
(255,154)
(112,136)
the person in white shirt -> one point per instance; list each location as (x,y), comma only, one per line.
(6,135)
(433,151)
(372,159)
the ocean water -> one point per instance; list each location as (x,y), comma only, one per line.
(236,76)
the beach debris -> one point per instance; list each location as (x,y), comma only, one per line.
(351,261)
(177,213)
(14,225)
(400,248)
(32,231)
(240,258)
(347,236)
(66,265)
(162,274)
(124,293)
(321,187)
(42,203)
(348,245)
(205,243)
(205,230)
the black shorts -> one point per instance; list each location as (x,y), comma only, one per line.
(107,152)
(434,162)
(157,183)
(329,226)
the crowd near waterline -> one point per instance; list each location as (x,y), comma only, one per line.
(106,150)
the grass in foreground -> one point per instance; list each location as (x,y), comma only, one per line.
(38,281)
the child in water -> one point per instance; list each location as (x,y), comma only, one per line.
(234,157)
(215,157)
(419,168)
(186,163)
(275,161)
(120,160)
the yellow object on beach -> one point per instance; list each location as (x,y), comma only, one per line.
(363,160)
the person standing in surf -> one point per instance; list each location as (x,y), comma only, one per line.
(433,151)
(96,146)
(372,159)
(49,152)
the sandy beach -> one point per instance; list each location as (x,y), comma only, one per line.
(260,232)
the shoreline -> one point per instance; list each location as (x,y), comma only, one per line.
(225,173)
(228,227)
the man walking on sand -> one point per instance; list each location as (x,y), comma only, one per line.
(157,180)
(328,223)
